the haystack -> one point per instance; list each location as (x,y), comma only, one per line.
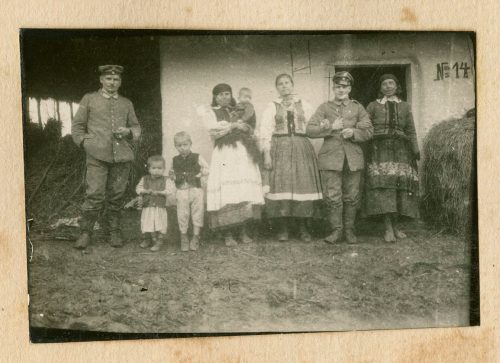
(449,175)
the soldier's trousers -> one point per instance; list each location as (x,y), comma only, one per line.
(106,183)
(341,194)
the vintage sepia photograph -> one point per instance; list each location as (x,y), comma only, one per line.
(198,183)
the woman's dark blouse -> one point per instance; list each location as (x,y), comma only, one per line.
(401,126)
(245,136)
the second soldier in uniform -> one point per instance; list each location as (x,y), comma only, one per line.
(343,123)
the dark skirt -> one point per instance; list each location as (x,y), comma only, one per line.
(233,215)
(391,179)
(293,185)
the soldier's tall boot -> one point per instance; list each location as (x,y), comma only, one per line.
(86,228)
(104,226)
(114,223)
(349,219)
(336,224)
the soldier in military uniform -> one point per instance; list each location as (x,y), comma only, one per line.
(343,123)
(104,126)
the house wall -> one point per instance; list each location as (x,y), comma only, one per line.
(192,65)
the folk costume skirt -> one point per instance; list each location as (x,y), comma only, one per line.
(391,184)
(234,187)
(292,186)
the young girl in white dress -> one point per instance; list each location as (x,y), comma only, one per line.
(153,190)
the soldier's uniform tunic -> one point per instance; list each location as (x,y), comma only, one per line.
(341,160)
(108,158)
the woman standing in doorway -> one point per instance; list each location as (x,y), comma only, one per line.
(293,183)
(391,177)
(234,186)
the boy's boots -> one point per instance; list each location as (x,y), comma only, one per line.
(87,223)
(114,229)
(184,242)
(195,242)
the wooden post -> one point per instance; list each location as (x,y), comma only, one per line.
(71,109)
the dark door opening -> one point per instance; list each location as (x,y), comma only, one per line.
(365,88)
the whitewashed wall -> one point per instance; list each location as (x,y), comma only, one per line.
(192,65)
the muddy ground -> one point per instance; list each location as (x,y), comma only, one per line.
(421,281)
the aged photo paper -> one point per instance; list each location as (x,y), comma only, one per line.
(393,282)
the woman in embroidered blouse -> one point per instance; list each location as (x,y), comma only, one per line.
(292,182)
(391,177)
(234,185)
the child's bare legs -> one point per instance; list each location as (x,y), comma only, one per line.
(146,240)
(229,239)
(389,229)
(157,241)
(245,238)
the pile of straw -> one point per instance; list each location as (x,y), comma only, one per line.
(449,175)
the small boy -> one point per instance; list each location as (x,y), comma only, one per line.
(244,108)
(187,169)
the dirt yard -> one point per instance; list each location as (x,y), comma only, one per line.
(422,281)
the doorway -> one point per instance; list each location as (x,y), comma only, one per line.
(365,88)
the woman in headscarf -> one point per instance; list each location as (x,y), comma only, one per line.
(391,188)
(292,184)
(234,186)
